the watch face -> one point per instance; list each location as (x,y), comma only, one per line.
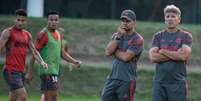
(117,38)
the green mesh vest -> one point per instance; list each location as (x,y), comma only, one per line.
(51,54)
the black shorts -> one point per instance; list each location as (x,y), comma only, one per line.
(49,82)
(14,79)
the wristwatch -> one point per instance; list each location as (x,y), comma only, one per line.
(115,38)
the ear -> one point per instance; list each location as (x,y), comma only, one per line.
(179,19)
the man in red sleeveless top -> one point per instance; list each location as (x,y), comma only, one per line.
(16,40)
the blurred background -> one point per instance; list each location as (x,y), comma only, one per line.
(87,26)
(146,10)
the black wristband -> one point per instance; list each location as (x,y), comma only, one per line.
(117,38)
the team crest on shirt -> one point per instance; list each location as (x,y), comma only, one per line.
(178,40)
(131,42)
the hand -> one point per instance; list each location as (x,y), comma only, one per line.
(44,65)
(28,78)
(78,63)
(161,51)
(156,50)
(73,65)
(121,31)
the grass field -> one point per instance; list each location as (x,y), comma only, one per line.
(86,83)
(78,98)
(88,38)
(36,98)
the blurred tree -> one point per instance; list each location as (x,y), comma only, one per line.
(9,6)
(113,7)
(98,9)
(151,10)
(157,4)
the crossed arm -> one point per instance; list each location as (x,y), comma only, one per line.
(181,54)
(155,56)
(112,50)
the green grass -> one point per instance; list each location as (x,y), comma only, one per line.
(78,98)
(88,37)
(87,82)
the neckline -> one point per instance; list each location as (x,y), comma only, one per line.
(15,28)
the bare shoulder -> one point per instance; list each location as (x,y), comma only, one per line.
(5,33)
(28,33)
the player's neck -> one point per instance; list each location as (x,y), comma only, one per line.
(172,30)
(51,30)
(17,28)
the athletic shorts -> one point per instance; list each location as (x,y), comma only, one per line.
(170,91)
(118,90)
(14,79)
(49,82)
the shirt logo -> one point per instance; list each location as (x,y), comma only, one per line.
(130,42)
(178,40)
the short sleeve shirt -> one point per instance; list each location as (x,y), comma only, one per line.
(122,70)
(171,70)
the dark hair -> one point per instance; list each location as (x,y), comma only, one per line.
(53,12)
(21,12)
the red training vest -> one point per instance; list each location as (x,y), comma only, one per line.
(16,50)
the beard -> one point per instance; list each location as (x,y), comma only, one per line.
(128,29)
